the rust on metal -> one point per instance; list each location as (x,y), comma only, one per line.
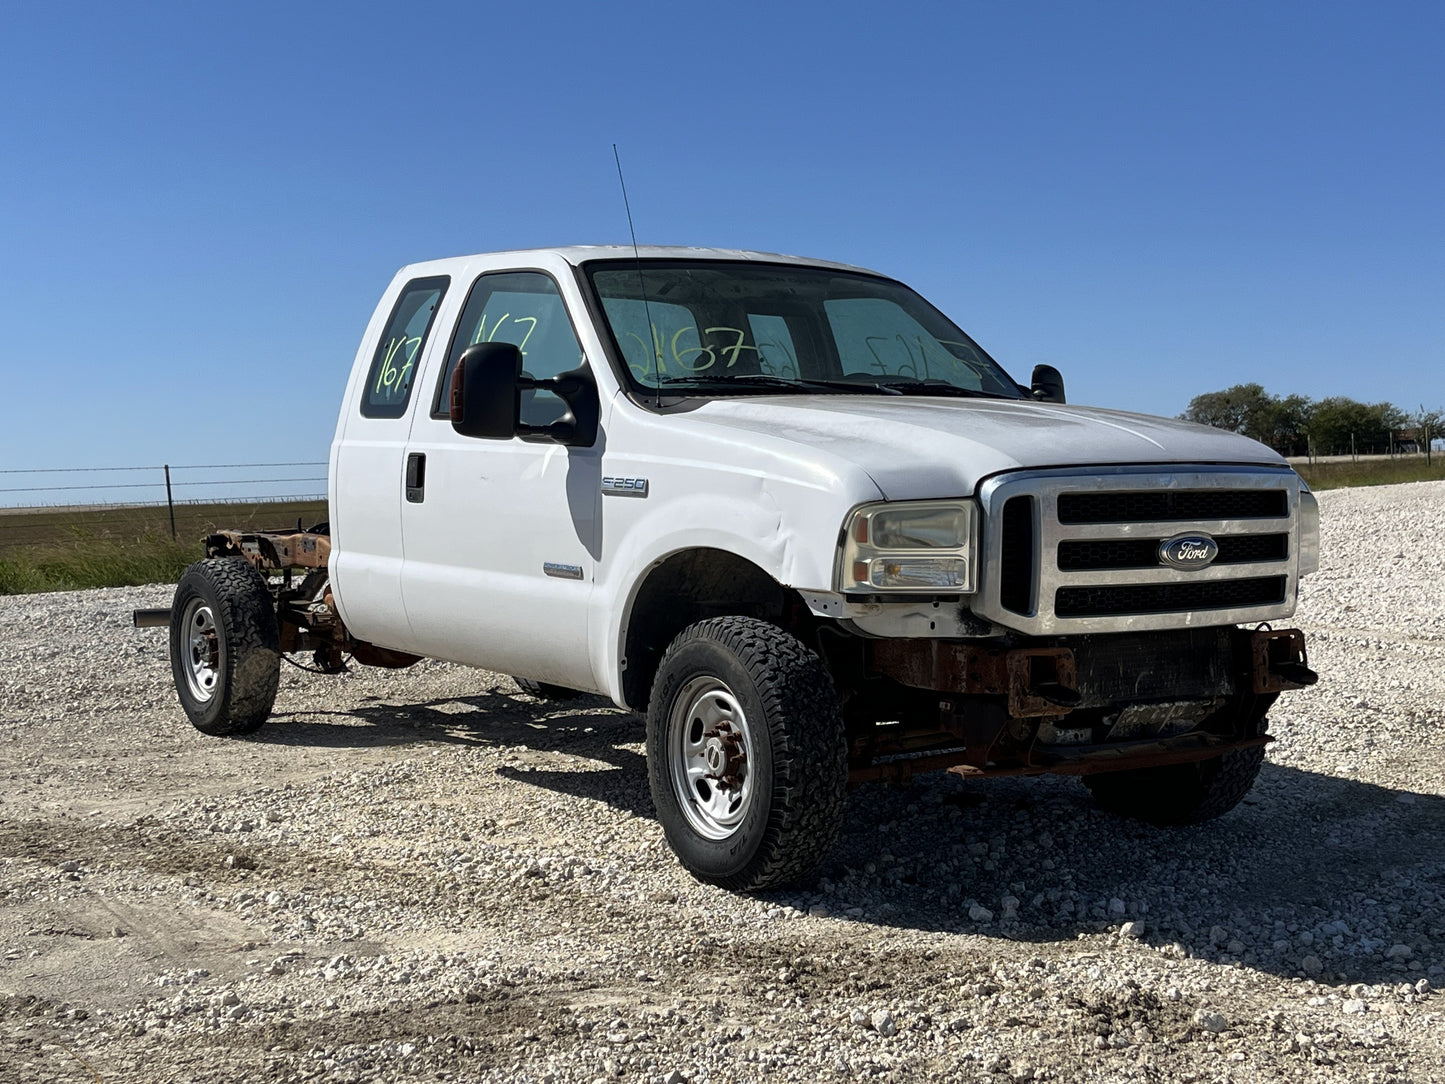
(272,550)
(1017,673)
(1275,655)
(1124,756)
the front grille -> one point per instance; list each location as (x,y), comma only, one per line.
(1172,505)
(1077,551)
(1158,598)
(1079,554)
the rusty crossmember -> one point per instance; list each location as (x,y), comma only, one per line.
(1022,674)
(1036,683)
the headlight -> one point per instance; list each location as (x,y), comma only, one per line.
(910,546)
(1309,532)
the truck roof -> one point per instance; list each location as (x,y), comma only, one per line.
(578,254)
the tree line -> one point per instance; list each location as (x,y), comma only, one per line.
(1297,425)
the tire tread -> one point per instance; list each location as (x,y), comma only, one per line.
(810,756)
(246,618)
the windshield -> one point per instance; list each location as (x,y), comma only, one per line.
(719,328)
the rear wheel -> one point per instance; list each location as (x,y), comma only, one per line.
(745,754)
(225,647)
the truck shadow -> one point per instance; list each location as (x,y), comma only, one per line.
(1313,875)
(588,727)
(492,718)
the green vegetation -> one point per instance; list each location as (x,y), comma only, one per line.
(1372,472)
(1297,426)
(76,549)
(85,564)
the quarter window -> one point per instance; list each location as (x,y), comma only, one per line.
(393,368)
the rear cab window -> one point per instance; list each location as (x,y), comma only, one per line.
(398,353)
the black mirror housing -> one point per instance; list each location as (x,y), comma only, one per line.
(1047,384)
(486,398)
(484,391)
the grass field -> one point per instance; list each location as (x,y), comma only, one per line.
(1338,474)
(70,549)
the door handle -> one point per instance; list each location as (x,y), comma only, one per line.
(416,477)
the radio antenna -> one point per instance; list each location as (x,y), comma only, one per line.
(641,282)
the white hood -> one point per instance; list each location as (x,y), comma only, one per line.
(920,447)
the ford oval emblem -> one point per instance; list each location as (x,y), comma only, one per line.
(1188,551)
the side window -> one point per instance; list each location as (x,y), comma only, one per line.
(388,383)
(523,308)
(877,337)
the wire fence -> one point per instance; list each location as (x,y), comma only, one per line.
(80,492)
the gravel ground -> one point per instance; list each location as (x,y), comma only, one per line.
(427,875)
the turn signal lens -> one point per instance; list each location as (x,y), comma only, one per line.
(949,573)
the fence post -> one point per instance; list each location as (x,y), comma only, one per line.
(170,502)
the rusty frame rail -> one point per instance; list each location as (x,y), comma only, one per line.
(1185,749)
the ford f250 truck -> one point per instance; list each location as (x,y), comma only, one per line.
(792,514)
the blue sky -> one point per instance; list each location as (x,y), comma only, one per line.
(199,204)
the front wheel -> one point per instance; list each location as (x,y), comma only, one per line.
(225,646)
(746,754)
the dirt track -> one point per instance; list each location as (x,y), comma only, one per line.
(427,875)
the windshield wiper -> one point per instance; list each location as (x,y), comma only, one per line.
(936,387)
(782,383)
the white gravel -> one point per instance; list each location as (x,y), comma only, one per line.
(426,875)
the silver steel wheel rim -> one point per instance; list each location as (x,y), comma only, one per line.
(710,757)
(202,645)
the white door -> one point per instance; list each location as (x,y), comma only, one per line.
(501,536)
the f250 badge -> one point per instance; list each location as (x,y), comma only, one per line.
(624,487)
(1188,551)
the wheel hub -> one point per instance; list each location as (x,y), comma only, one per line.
(203,650)
(710,747)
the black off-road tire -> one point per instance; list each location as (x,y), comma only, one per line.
(1179,794)
(545,690)
(225,646)
(796,773)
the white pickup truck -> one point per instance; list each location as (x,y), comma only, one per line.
(793,515)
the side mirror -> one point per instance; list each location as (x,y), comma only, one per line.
(484,391)
(1047,384)
(486,398)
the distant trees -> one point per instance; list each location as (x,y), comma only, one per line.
(1297,425)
